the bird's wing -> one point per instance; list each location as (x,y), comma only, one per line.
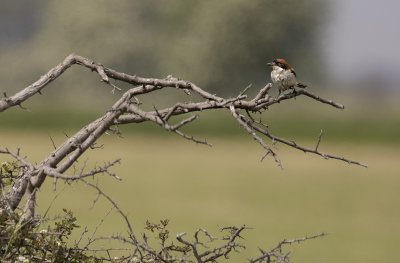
(294,73)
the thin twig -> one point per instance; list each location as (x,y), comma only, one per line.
(277,252)
(242,123)
(116,207)
(319,140)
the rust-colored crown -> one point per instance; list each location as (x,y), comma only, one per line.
(281,61)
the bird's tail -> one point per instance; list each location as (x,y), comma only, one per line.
(301,85)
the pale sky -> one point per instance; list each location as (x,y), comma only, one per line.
(363,37)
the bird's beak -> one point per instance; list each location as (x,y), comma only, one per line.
(270,64)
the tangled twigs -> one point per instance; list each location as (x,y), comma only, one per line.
(211,255)
(142,250)
(277,254)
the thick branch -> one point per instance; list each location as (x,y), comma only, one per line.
(149,84)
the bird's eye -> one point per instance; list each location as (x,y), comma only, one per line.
(281,65)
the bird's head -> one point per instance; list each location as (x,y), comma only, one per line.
(279,62)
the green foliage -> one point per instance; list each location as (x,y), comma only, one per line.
(162,235)
(28,241)
(8,171)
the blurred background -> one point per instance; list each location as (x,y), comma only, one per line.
(345,50)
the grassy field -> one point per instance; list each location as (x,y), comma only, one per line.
(196,186)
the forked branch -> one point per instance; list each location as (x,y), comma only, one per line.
(127,109)
(277,254)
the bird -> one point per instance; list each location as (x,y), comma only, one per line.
(283,76)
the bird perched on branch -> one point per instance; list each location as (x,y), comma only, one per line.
(283,76)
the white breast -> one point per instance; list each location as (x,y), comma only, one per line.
(277,77)
(283,79)
(276,74)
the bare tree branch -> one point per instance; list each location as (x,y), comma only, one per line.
(211,255)
(51,172)
(276,254)
(127,110)
(255,136)
(131,234)
(304,149)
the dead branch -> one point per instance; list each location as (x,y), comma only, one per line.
(127,110)
(51,172)
(211,255)
(239,117)
(131,235)
(277,254)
